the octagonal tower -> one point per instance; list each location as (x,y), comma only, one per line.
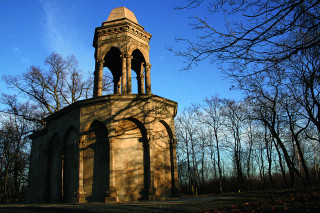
(122,45)
(117,147)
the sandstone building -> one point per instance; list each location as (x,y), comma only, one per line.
(117,147)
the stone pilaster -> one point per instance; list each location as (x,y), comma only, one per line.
(174,175)
(81,195)
(148,192)
(111,194)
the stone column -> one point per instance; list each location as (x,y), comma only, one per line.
(95,82)
(148,192)
(173,162)
(129,86)
(141,79)
(98,77)
(111,192)
(81,193)
(119,86)
(124,75)
(148,79)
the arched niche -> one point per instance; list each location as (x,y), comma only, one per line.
(96,157)
(110,85)
(113,61)
(55,169)
(70,165)
(161,159)
(129,159)
(138,63)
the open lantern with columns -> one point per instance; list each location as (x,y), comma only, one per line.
(117,147)
(122,45)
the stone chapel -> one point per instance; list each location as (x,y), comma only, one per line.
(118,147)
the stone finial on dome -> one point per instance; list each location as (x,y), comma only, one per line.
(120,13)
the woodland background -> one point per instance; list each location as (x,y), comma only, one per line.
(268,140)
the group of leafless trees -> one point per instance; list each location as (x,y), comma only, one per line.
(36,93)
(270,138)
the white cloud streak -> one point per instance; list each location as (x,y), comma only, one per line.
(61,35)
(53,28)
(15,48)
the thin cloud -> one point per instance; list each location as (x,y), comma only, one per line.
(60,33)
(52,34)
(15,48)
(25,61)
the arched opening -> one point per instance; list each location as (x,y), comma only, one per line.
(173,161)
(70,166)
(138,63)
(55,169)
(96,157)
(113,62)
(161,160)
(129,159)
(109,85)
(134,78)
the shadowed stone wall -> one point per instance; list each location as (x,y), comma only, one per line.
(113,147)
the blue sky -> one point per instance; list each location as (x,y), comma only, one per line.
(31,29)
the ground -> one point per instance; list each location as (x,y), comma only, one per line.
(233,202)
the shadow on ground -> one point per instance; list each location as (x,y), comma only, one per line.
(186,204)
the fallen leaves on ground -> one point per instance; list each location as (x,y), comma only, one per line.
(294,202)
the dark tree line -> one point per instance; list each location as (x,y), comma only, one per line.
(14,150)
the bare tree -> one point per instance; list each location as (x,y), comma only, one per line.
(186,133)
(61,83)
(253,33)
(305,84)
(14,149)
(233,120)
(210,115)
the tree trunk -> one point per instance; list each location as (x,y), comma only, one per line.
(219,162)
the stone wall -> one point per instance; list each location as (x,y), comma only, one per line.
(115,147)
